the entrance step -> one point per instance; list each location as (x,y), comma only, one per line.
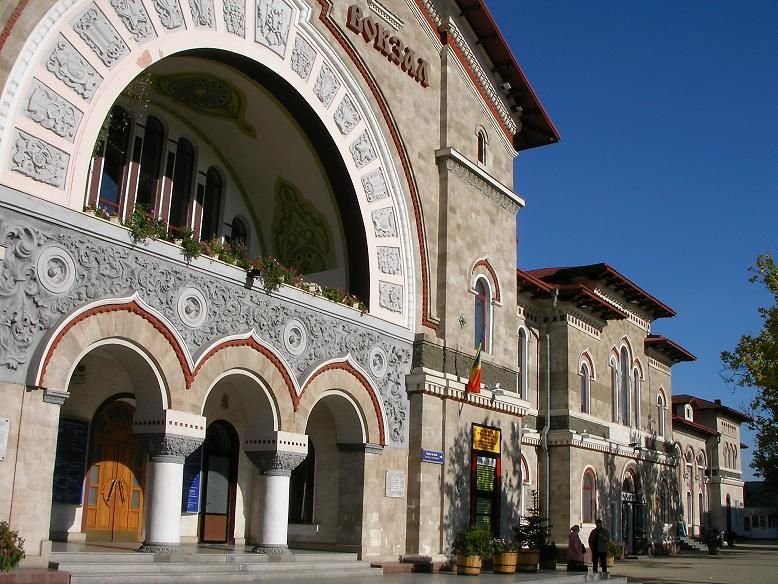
(142,568)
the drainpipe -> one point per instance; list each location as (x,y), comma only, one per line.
(547,426)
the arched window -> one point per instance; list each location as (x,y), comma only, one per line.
(624,386)
(182,187)
(523,359)
(211,205)
(114,158)
(482,307)
(585,387)
(482,144)
(150,161)
(238,231)
(588,497)
(614,389)
(688,412)
(660,414)
(636,392)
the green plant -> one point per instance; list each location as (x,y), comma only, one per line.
(713,538)
(190,247)
(97,211)
(534,530)
(11,547)
(473,541)
(143,226)
(274,273)
(615,549)
(501,546)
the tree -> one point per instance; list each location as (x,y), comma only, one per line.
(754,363)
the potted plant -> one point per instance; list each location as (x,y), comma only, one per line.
(471,545)
(504,556)
(11,547)
(615,550)
(713,540)
(548,556)
(532,536)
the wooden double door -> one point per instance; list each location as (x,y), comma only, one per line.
(114,487)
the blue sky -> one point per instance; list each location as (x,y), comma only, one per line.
(668,164)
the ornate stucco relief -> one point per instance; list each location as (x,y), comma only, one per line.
(202,13)
(99,270)
(47,108)
(326,85)
(235,17)
(274,18)
(134,16)
(389,260)
(375,186)
(100,35)
(169,12)
(362,150)
(39,160)
(346,116)
(303,57)
(384,222)
(67,65)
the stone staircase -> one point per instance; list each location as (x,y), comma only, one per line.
(212,567)
(692,544)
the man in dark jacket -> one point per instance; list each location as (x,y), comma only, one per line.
(599,539)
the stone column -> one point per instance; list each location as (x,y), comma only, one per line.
(275,455)
(169,439)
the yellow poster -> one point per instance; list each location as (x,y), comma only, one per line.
(486,439)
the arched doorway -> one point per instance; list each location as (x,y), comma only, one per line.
(220,476)
(632,507)
(114,484)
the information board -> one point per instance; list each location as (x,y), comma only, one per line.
(190,501)
(432,456)
(70,462)
(486,439)
(395,484)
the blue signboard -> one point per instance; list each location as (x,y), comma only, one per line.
(190,502)
(433,456)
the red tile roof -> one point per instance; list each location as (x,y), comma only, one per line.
(693,426)
(702,404)
(675,352)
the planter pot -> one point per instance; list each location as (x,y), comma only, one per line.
(714,551)
(609,561)
(504,563)
(528,561)
(468,565)
(548,563)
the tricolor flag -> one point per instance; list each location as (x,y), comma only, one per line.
(474,383)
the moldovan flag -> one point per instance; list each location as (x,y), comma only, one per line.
(474,383)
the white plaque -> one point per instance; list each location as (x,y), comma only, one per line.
(4,424)
(395,484)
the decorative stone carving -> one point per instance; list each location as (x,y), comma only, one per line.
(295,337)
(67,65)
(39,160)
(52,396)
(375,186)
(389,260)
(169,12)
(100,35)
(51,111)
(469,177)
(390,296)
(192,307)
(346,116)
(378,361)
(169,447)
(384,223)
(362,150)
(326,85)
(28,309)
(273,20)
(276,463)
(135,18)
(303,56)
(56,270)
(235,17)
(202,12)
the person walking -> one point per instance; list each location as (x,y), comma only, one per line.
(599,539)
(575,551)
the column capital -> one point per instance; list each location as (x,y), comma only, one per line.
(169,447)
(276,453)
(169,435)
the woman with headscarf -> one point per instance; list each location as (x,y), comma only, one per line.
(575,551)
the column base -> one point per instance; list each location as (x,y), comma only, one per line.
(271,549)
(160,548)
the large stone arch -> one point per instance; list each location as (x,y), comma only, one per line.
(89,74)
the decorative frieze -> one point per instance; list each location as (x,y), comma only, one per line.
(631,316)
(469,177)
(384,223)
(375,186)
(658,366)
(97,32)
(67,65)
(346,116)
(202,13)
(390,296)
(362,150)
(235,17)
(274,18)
(170,14)
(303,57)
(326,86)
(387,15)
(39,160)
(580,323)
(389,260)
(169,447)
(47,108)
(134,16)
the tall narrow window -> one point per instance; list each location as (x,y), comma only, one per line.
(301,489)
(482,306)
(182,187)
(614,390)
(636,392)
(624,386)
(114,160)
(588,492)
(482,147)
(238,231)
(150,161)
(660,414)
(211,204)
(585,388)
(523,373)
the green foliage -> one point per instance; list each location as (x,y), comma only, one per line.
(534,530)
(97,211)
(500,546)
(190,247)
(754,364)
(143,226)
(473,541)
(11,547)
(615,549)
(274,273)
